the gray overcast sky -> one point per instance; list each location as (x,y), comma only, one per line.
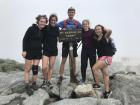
(122,16)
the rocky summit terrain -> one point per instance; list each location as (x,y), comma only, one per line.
(125,87)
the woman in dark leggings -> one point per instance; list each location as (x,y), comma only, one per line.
(88,48)
(32,51)
(105,53)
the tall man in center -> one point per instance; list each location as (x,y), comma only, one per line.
(71,24)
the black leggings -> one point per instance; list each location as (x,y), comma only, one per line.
(85,55)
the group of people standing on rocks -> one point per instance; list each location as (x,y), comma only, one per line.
(40,43)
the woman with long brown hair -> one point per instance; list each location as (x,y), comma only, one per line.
(105,53)
(50,50)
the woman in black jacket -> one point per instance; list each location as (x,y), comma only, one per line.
(32,50)
(50,50)
(105,53)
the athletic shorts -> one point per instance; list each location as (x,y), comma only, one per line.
(33,55)
(49,53)
(65,51)
(107,59)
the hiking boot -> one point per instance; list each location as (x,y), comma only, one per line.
(43,84)
(96,86)
(82,82)
(60,80)
(28,89)
(34,86)
(75,81)
(107,94)
(48,83)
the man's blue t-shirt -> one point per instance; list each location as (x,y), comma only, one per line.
(69,24)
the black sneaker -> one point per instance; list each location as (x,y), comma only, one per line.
(75,80)
(28,89)
(43,84)
(48,83)
(34,86)
(107,94)
(60,80)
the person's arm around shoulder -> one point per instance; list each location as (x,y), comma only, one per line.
(108,33)
(95,36)
(61,24)
(45,32)
(58,33)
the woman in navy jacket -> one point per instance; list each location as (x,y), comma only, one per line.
(50,51)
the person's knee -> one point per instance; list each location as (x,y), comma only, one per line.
(51,66)
(35,69)
(27,69)
(94,68)
(106,74)
(63,61)
(44,68)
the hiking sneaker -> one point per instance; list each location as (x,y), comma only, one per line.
(48,83)
(34,86)
(60,80)
(75,80)
(82,82)
(28,89)
(107,94)
(96,86)
(43,84)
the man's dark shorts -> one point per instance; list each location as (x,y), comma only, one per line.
(65,50)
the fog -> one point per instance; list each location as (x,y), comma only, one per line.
(122,16)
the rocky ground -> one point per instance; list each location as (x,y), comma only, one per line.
(125,87)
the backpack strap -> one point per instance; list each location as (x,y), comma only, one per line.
(113,46)
(65,23)
(75,22)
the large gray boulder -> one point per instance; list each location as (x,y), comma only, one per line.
(38,98)
(109,102)
(126,87)
(85,90)
(6,99)
(87,101)
(13,82)
(125,84)
(61,91)
(8,81)
(133,69)
(7,65)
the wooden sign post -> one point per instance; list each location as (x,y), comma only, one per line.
(70,36)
